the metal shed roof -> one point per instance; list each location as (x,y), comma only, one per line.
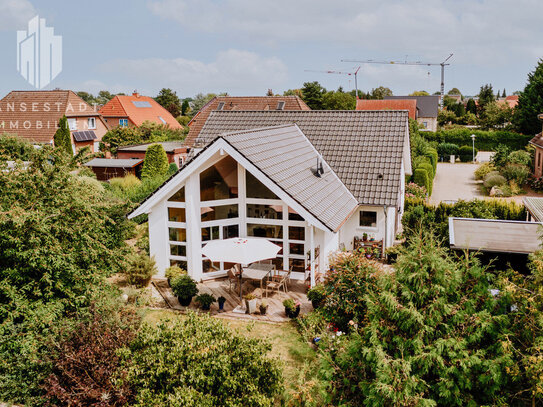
(113,162)
(494,235)
(535,207)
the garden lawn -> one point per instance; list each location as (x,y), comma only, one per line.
(287,344)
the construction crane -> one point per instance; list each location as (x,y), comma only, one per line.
(442,64)
(355,74)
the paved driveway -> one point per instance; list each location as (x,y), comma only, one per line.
(454,182)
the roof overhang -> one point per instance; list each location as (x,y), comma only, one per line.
(220,145)
(494,235)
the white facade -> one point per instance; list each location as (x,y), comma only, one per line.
(221,195)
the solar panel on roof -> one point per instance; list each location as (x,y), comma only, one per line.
(141,103)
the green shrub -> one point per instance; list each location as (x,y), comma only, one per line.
(499,159)
(199,361)
(155,163)
(445,150)
(420,177)
(172,169)
(484,140)
(174,271)
(63,138)
(517,173)
(430,171)
(466,153)
(351,277)
(431,153)
(205,300)
(494,180)
(125,183)
(14,148)
(316,294)
(483,170)
(184,287)
(140,270)
(520,157)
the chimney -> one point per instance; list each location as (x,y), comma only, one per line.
(136,94)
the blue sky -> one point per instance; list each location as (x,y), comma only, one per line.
(244,47)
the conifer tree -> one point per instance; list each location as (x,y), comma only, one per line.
(155,163)
(530,103)
(62,137)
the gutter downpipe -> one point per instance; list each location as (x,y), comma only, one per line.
(386,231)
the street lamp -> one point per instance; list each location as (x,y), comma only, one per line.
(473,146)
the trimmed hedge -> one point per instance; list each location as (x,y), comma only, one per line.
(484,140)
(445,150)
(420,177)
(431,153)
(466,153)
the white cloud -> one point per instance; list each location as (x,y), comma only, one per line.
(476,31)
(234,71)
(15,14)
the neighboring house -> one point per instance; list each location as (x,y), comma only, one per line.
(511,101)
(133,110)
(378,104)
(257,176)
(534,208)
(34,116)
(107,168)
(427,107)
(175,150)
(228,103)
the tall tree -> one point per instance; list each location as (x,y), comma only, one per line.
(454,91)
(486,96)
(312,94)
(185,107)
(155,163)
(380,92)
(530,103)
(503,94)
(62,137)
(471,106)
(169,100)
(419,93)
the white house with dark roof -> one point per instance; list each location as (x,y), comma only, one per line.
(312,182)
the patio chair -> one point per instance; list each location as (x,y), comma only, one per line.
(233,278)
(278,281)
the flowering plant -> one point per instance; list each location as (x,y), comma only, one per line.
(413,190)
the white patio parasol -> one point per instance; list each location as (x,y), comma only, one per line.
(244,250)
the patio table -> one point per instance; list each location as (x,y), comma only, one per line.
(255,274)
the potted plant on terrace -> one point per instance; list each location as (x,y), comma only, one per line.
(316,295)
(250,303)
(292,309)
(174,271)
(263,308)
(205,300)
(184,288)
(221,300)
(365,237)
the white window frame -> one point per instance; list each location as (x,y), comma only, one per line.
(370,228)
(93,121)
(72,124)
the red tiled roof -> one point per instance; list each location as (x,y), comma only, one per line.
(512,100)
(389,104)
(34,115)
(247,103)
(124,106)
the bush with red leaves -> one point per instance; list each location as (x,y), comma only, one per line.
(85,364)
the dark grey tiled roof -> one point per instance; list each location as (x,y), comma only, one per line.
(285,155)
(427,106)
(364,148)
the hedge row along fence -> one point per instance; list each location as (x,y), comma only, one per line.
(484,140)
(425,167)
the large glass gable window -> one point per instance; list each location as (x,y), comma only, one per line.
(256,189)
(220,181)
